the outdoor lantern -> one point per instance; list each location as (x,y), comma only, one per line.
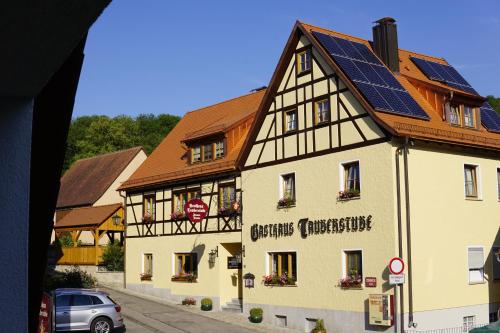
(249,280)
(212,255)
(116,219)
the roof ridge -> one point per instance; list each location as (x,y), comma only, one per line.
(109,153)
(370,41)
(225,101)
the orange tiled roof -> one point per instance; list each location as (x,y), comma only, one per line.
(87,216)
(435,128)
(169,161)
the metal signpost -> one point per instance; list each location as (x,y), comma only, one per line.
(396,278)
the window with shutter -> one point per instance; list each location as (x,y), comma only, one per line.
(476,264)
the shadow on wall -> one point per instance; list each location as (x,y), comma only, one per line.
(492,271)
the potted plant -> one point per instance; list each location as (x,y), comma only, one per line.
(320,327)
(146,277)
(348,194)
(177,215)
(230,210)
(184,277)
(188,301)
(206,304)
(353,280)
(256,315)
(147,217)
(285,202)
(275,280)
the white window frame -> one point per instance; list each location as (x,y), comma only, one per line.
(280,184)
(344,261)
(466,327)
(268,252)
(478,181)
(295,117)
(341,173)
(468,266)
(142,263)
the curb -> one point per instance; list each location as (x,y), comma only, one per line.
(227,317)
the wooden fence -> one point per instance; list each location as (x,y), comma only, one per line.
(81,255)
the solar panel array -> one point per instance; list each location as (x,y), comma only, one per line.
(489,118)
(377,84)
(443,73)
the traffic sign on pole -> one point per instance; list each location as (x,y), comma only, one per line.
(396,266)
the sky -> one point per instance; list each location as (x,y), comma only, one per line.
(161,56)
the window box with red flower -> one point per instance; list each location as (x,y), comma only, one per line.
(279,281)
(177,215)
(184,278)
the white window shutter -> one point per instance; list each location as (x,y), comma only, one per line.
(476,258)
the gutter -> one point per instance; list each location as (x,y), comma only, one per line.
(405,148)
(400,233)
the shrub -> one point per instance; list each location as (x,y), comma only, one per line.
(206,302)
(256,312)
(113,257)
(66,241)
(70,278)
(320,326)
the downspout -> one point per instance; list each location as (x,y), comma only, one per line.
(400,234)
(124,239)
(408,234)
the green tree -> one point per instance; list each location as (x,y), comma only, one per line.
(93,135)
(113,256)
(494,102)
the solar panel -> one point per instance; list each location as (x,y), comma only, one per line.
(377,84)
(443,73)
(489,118)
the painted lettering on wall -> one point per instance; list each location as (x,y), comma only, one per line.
(271,230)
(334,226)
(312,227)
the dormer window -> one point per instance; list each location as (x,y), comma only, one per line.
(206,152)
(454,115)
(196,154)
(219,149)
(469,116)
(461,115)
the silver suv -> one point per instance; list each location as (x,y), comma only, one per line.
(86,309)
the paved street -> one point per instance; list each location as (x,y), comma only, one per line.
(144,316)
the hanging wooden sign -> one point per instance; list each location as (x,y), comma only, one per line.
(196,210)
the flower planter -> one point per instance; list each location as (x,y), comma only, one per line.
(255,319)
(318,331)
(184,278)
(146,277)
(206,307)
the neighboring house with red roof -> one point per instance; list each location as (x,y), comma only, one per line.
(361,152)
(167,254)
(89,207)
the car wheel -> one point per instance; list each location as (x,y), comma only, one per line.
(101,325)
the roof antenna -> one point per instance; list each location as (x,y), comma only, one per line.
(259,89)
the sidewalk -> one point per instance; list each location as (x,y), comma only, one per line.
(221,316)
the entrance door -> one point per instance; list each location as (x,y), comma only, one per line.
(231,276)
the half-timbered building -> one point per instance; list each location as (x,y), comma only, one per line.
(168,254)
(361,152)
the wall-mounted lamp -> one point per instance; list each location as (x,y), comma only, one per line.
(214,253)
(117,219)
(249,280)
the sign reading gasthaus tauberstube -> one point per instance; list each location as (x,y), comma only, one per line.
(312,227)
